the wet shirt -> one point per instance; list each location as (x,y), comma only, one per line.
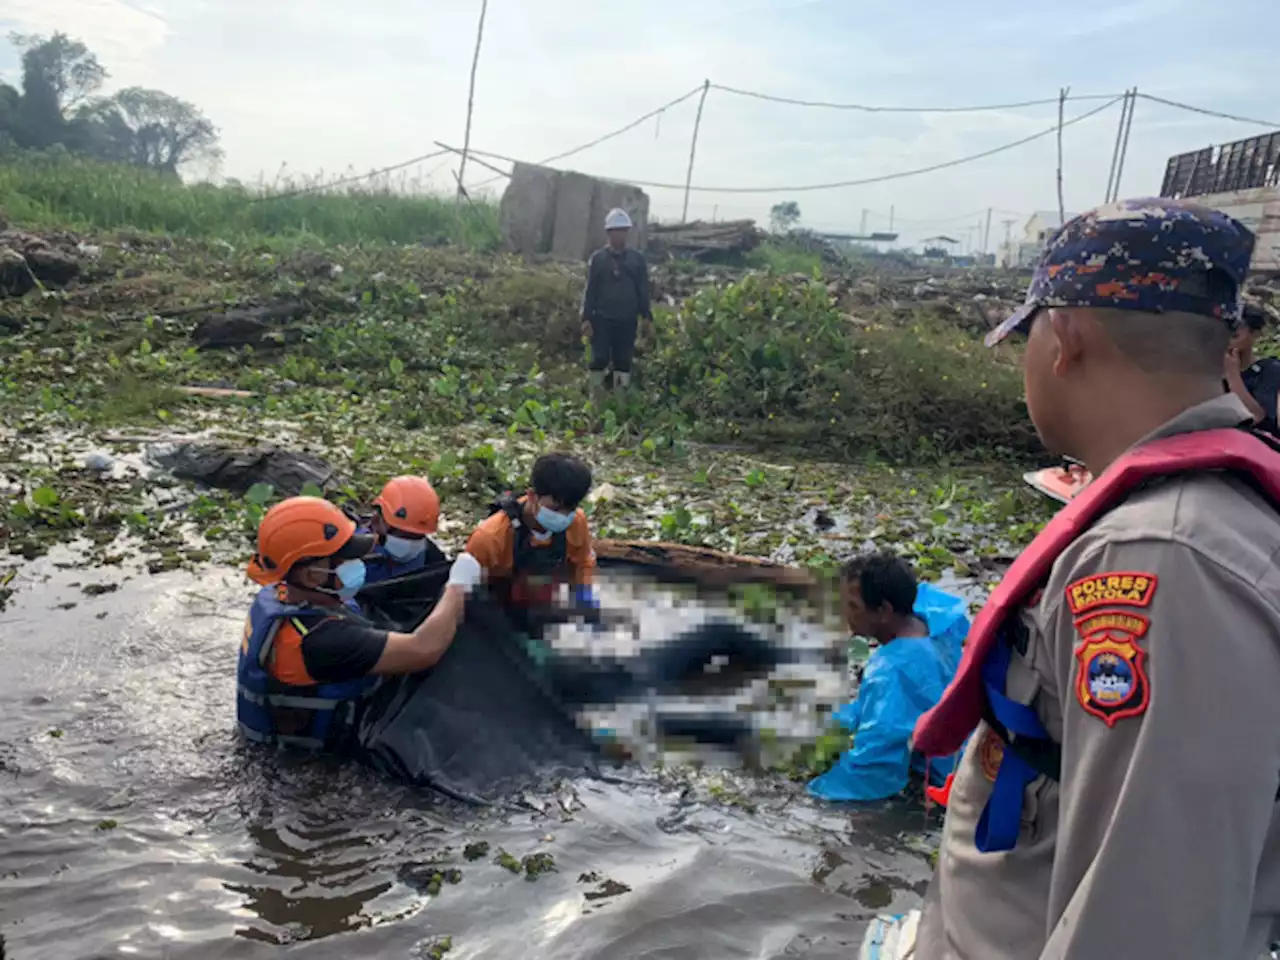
(492,543)
(617,286)
(332,650)
(1153,657)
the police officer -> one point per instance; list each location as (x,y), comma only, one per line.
(1118,796)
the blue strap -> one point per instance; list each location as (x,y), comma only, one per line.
(1001,819)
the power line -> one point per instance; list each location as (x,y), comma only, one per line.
(315,188)
(866,108)
(807,188)
(1208,113)
(615,133)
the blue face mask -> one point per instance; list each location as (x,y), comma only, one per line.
(403,549)
(554,522)
(350,574)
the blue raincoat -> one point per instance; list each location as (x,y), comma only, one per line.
(902,680)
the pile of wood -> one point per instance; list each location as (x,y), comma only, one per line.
(700,239)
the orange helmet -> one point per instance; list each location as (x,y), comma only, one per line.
(303,527)
(410,503)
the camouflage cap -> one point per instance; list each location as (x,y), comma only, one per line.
(1154,255)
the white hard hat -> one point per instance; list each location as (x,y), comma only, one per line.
(617,220)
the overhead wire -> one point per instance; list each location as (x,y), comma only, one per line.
(317,187)
(1209,113)
(868,108)
(811,187)
(614,133)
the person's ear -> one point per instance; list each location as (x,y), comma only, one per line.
(1066,341)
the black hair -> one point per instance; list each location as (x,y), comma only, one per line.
(562,476)
(881,578)
(1253,317)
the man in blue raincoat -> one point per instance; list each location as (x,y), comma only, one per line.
(919,630)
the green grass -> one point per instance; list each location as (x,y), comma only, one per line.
(60,191)
(779,258)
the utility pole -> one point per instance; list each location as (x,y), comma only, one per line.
(986,232)
(471,99)
(693,149)
(1124,144)
(1008,237)
(863,229)
(1062,104)
(891,218)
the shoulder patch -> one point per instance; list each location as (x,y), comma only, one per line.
(1112,682)
(1119,589)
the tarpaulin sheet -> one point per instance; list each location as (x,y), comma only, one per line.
(481,723)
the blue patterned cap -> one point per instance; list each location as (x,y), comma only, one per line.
(1155,255)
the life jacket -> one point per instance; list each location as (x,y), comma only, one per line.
(978,690)
(534,567)
(269,711)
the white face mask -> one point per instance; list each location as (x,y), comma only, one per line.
(404,549)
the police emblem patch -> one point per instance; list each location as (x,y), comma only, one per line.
(1112,681)
(990,753)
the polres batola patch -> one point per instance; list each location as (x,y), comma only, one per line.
(1123,589)
(1112,682)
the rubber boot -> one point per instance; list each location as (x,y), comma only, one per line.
(595,379)
(621,381)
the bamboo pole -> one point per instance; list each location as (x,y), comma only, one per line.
(471,99)
(693,149)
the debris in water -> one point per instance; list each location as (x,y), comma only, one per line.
(56,734)
(608,888)
(536,864)
(507,861)
(99,462)
(432,949)
(108,824)
(98,589)
(474,851)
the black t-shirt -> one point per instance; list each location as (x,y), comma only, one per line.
(336,649)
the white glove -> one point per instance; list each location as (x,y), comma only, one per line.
(465,573)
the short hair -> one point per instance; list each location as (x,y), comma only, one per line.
(562,476)
(1188,344)
(882,577)
(1253,316)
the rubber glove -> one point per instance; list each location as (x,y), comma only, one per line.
(465,573)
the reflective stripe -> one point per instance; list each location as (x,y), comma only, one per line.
(289,700)
(304,743)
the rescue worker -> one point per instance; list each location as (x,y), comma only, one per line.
(919,631)
(1118,797)
(405,514)
(306,659)
(616,297)
(530,544)
(1255,381)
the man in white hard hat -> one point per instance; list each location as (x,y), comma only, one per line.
(617,296)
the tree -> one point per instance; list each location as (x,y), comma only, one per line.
(58,75)
(783,216)
(150,128)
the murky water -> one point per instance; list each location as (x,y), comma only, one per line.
(133,823)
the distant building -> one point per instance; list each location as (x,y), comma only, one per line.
(1024,251)
(1241,179)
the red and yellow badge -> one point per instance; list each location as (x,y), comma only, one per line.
(1112,683)
(1127,589)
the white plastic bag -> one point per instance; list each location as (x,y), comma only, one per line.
(891,938)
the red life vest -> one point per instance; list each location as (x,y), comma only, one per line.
(943,729)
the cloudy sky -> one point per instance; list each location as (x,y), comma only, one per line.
(332,86)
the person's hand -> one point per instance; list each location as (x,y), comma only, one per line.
(1231,362)
(465,573)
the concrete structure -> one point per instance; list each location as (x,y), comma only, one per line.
(1241,179)
(1024,251)
(545,211)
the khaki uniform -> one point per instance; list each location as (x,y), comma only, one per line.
(1162,838)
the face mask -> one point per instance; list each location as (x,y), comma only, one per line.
(350,574)
(552,521)
(404,549)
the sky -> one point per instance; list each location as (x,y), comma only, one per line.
(327,87)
